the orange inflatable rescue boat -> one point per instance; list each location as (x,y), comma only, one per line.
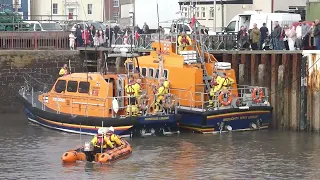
(86,153)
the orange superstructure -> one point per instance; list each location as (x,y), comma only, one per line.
(184,71)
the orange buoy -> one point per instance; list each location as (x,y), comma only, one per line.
(257,95)
(225,102)
(104,158)
(69,157)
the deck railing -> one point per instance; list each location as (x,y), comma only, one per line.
(60,40)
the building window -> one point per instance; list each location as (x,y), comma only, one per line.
(84,87)
(211,13)
(71,11)
(72,86)
(115,3)
(16,3)
(89,8)
(198,13)
(55,8)
(203,12)
(116,16)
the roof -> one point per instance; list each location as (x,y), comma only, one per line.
(218,2)
(82,76)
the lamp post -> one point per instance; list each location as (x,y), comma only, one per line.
(133,29)
(110,38)
(51,9)
(215,15)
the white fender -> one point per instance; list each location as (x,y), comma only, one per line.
(115,105)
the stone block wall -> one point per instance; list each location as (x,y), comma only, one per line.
(15,63)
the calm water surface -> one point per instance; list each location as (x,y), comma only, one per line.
(29,151)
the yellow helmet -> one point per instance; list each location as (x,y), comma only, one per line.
(166,84)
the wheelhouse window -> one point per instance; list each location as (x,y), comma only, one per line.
(129,66)
(165,74)
(60,86)
(144,72)
(84,87)
(72,86)
(157,74)
(150,73)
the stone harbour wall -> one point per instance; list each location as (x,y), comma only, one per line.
(14,64)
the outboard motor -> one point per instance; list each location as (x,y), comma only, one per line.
(88,151)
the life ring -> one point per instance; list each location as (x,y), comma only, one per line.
(169,101)
(257,98)
(143,102)
(221,98)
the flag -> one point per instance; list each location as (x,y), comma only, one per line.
(125,39)
(193,21)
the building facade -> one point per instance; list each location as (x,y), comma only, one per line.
(64,10)
(20,6)
(126,6)
(225,10)
(112,10)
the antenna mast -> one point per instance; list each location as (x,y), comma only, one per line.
(160,50)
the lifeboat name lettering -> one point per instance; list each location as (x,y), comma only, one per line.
(240,117)
(156,118)
(59,99)
(163,52)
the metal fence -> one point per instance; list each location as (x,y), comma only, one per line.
(60,40)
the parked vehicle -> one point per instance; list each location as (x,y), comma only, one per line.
(248,18)
(43,26)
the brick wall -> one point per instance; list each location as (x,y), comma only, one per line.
(13,64)
(112,10)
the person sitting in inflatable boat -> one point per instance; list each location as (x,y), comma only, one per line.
(101,140)
(115,139)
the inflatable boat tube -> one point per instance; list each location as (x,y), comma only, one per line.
(108,156)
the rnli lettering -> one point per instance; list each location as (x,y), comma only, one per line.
(157,118)
(241,118)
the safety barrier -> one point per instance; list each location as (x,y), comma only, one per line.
(244,92)
(60,40)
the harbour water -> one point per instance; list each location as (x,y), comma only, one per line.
(29,151)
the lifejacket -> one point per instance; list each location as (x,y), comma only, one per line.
(130,89)
(214,82)
(100,140)
(184,40)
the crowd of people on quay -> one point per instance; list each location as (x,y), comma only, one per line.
(296,36)
(301,36)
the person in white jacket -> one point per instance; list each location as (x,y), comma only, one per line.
(299,36)
(291,34)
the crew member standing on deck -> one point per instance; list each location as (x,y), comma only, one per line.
(226,82)
(64,70)
(184,41)
(132,101)
(137,92)
(214,88)
(163,90)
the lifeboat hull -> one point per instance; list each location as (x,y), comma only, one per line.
(108,156)
(129,126)
(225,120)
